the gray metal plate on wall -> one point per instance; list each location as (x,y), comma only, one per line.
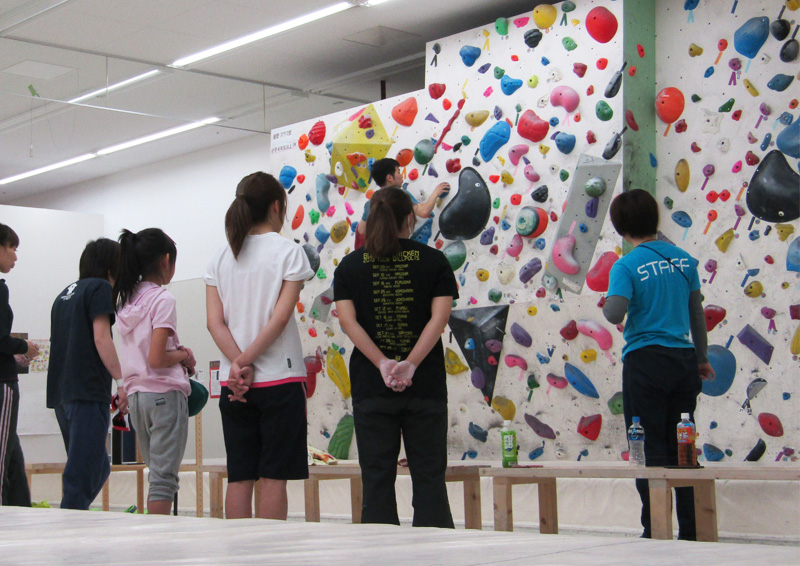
(586,230)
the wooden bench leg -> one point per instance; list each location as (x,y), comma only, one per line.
(140,491)
(705,508)
(503,507)
(198,485)
(472,504)
(660,509)
(215,495)
(311,489)
(548,506)
(106,496)
(356,498)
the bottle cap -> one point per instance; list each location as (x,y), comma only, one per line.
(685,416)
(636,420)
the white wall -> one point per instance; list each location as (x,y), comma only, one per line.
(186,196)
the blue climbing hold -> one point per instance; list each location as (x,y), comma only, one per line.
(287,175)
(712,453)
(509,86)
(565,142)
(323,185)
(477,432)
(469,54)
(788,141)
(495,138)
(780,82)
(724,363)
(580,382)
(749,38)
(322,234)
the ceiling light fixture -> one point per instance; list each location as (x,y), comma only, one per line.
(47,168)
(157,136)
(106,90)
(264,33)
(111,149)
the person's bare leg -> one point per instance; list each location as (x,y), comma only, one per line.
(239,500)
(159,506)
(273,502)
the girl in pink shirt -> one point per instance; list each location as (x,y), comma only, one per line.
(155,367)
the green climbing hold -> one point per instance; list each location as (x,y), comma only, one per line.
(595,186)
(563,174)
(533,82)
(567,6)
(495,295)
(668,202)
(603,110)
(696,98)
(615,403)
(496,203)
(499,72)
(423,151)
(728,106)
(456,254)
(321,274)
(339,445)
(466,140)
(501,26)
(313,215)
(569,44)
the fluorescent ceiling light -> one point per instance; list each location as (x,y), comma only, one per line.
(106,90)
(47,168)
(264,33)
(111,149)
(157,136)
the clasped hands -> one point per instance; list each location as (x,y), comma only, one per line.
(397,375)
(239,381)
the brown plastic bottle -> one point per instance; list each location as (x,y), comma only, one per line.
(687,455)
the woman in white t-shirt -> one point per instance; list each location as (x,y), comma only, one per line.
(252,287)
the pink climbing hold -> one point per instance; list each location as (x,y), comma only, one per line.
(566,97)
(593,329)
(597,277)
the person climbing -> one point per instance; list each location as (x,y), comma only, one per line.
(386,173)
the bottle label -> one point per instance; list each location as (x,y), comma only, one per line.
(685,435)
(509,443)
(635,436)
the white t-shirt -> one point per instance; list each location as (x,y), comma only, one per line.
(249,288)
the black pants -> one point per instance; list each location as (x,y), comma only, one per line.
(13,481)
(379,423)
(658,384)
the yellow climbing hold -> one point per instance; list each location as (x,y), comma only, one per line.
(310,157)
(337,371)
(452,363)
(505,407)
(507,178)
(544,16)
(589,355)
(339,231)
(794,348)
(482,274)
(695,50)
(682,175)
(532,310)
(724,240)
(754,289)
(784,231)
(476,118)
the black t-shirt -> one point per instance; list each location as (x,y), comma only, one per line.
(8,345)
(392,299)
(76,372)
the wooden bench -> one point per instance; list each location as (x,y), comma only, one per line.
(469,475)
(661,480)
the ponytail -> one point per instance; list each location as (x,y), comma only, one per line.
(389,208)
(140,257)
(255,195)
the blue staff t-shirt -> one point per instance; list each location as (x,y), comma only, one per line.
(656,278)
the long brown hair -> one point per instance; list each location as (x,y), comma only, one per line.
(254,197)
(140,256)
(388,209)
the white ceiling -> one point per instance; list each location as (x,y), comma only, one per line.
(67,48)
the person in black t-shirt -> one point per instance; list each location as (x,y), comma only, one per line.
(83,361)
(13,482)
(393,299)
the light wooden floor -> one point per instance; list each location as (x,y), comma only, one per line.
(58,537)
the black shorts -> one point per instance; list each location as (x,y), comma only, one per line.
(266,437)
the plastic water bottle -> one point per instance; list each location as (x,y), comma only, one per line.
(636,443)
(508,438)
(687,455)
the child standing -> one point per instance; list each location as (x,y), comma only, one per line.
(155,366)
(252,287)
(13,482)
(83,361)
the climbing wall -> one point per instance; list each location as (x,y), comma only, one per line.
(728,144)
(508,112)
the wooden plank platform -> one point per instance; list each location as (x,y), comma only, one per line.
(53,536)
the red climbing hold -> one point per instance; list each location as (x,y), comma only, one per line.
(770,424)
(590,426)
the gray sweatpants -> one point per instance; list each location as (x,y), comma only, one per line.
(161,421)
